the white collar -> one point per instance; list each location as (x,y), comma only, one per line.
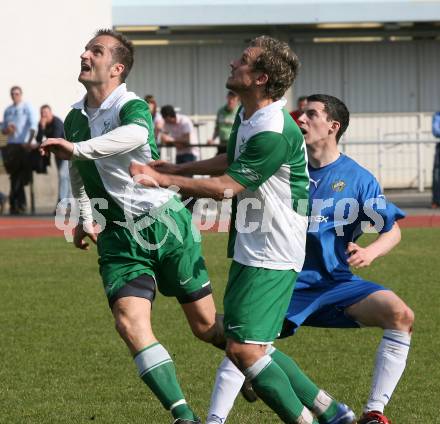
(263,113)
(108,102)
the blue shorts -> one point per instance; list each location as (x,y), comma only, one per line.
(324,305)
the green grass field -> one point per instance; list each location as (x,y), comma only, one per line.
(62,361)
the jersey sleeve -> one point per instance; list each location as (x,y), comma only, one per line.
(263,155)
(373,202)
(67,126)
(136,112)
(79,193)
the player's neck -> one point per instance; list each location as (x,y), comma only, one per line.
(322,155)
(96,94)
(252,103)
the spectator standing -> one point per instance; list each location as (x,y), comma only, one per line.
(20,125)
(50,126)
(301,104)
(178,131)
(436,168)
(224,121)
(157,117)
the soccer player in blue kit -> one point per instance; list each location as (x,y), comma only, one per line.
(346,200)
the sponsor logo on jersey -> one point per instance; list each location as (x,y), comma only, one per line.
(338,186)
(250,174)
(140,121)
(319,218)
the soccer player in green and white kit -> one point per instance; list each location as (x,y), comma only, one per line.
(148,239)
(266,170)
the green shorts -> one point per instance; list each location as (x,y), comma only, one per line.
(255,303)
(167,249)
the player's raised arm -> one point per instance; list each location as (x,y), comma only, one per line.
(121,140)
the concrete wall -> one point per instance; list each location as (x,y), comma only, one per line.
(41,43)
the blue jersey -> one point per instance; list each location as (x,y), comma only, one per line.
(345,200)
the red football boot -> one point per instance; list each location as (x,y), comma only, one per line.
(373,417)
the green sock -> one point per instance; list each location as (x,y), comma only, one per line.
(307,391)
(157,370)
(273,387)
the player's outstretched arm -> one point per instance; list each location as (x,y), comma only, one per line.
(360,257)
(61,148)
(214,166)
(118,141)
(216,188)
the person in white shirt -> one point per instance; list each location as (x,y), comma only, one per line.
(178,131)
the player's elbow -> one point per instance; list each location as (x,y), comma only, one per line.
(397,233)
(219,191)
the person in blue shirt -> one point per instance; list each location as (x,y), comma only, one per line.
(345,200)
(20,125)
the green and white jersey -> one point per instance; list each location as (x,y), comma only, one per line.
(267,155)
(118,132)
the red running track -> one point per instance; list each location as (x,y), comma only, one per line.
(29,227)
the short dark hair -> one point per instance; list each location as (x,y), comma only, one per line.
(45,107)
(167,111)
(335,109)
(122,53)
(301,99)
(279,62)
(231,93)
(16,87)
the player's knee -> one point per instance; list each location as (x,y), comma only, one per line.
(235,353)
(210,332)
(203,332)
(407,318)
(129,328)
(401,317)
(123,326)
(244,355)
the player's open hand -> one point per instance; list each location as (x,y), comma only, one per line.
(144,174)
(358,257)
(61,148)
(81,231)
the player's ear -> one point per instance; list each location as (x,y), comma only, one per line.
(335,126)
(117,69)
(262,79)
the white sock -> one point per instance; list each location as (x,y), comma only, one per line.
(305,418)
(228,382)
(390,364)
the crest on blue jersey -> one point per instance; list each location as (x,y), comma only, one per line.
(338,186)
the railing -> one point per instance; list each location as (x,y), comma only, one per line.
(396,164)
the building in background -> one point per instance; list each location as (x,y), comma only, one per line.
(384,55)
(384,61)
